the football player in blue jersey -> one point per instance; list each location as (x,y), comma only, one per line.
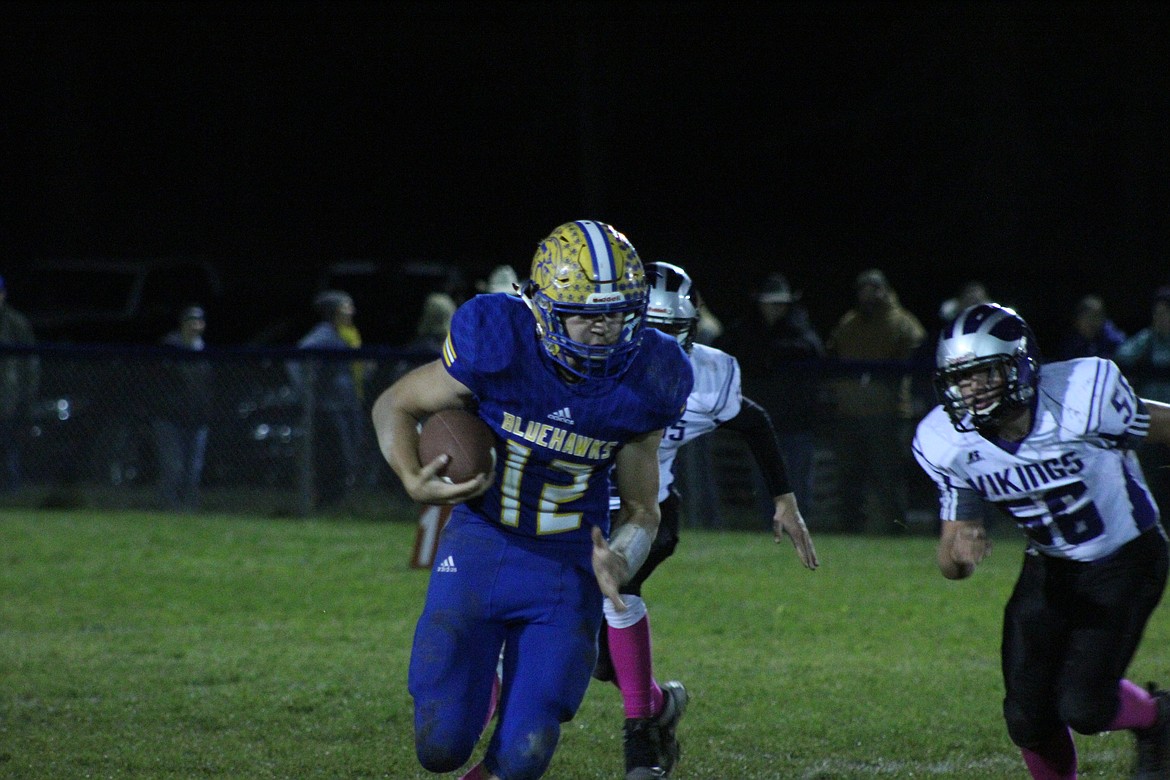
(572,384)
(653,711)
(1053,448)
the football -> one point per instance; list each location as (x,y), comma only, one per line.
(465,438)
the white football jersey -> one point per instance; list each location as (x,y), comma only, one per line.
(1073,484)
(714,399)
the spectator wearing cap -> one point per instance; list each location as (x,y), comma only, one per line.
(873,405)
(19,384)
(182,418)
(334,388)
(1145,357)
(776,345)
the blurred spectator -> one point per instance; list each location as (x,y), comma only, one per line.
(709,329)
(772,335)
(19,385)
(502,279)
(1148,351)
(1093,334)
(1145,358)
(433,323)
(873,406)
(349,333)
(339,421)
(182,415)
(430,333)
(969,294)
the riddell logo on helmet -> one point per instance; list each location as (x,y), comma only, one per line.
(605,298)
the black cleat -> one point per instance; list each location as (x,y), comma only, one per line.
(640,742)
(674,704)
(1153,743)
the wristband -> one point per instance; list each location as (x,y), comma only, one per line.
(632,542)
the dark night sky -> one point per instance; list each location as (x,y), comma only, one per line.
(1022,143)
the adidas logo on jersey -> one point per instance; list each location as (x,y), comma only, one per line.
(447,565)
(562,415)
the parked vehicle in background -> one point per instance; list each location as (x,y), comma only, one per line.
(112,301)
(92,421)
(89,422)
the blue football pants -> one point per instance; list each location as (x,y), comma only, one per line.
(490,589)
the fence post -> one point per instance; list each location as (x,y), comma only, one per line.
(305,470)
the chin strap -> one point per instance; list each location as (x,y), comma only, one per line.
(526,292)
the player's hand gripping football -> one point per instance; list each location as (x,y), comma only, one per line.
(787,520)
(428,486)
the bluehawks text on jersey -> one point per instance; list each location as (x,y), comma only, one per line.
(558,439)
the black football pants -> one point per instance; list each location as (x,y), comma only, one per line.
(1070,631)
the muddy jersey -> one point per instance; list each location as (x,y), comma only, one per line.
(1073,484)
(555,440)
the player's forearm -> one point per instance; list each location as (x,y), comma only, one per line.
(637,481)
(755,425)
(631,542)
(643,515)
(397,434)
(632,537)
(1159,421)
(786,502)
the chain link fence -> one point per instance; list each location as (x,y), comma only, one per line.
(89,435)
(89,438)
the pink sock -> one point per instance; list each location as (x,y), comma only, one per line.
(1137,708)
(633,670)
(1058,761)
(494,702)
(477,772)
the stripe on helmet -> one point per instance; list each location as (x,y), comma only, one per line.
(671,278)
(981,319)
(601,251)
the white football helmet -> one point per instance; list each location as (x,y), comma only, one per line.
(674,303)
(587,268)
(986,336)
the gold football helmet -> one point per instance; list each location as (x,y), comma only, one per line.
(587,268)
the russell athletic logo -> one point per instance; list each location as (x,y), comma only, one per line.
(448,564)
(562,415)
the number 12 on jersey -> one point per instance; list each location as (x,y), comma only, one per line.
(551,495)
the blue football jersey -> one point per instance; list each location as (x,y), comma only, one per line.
(555,440)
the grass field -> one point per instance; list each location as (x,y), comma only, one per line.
(151,646)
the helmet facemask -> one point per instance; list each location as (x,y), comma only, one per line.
(588,269)
(996,396)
